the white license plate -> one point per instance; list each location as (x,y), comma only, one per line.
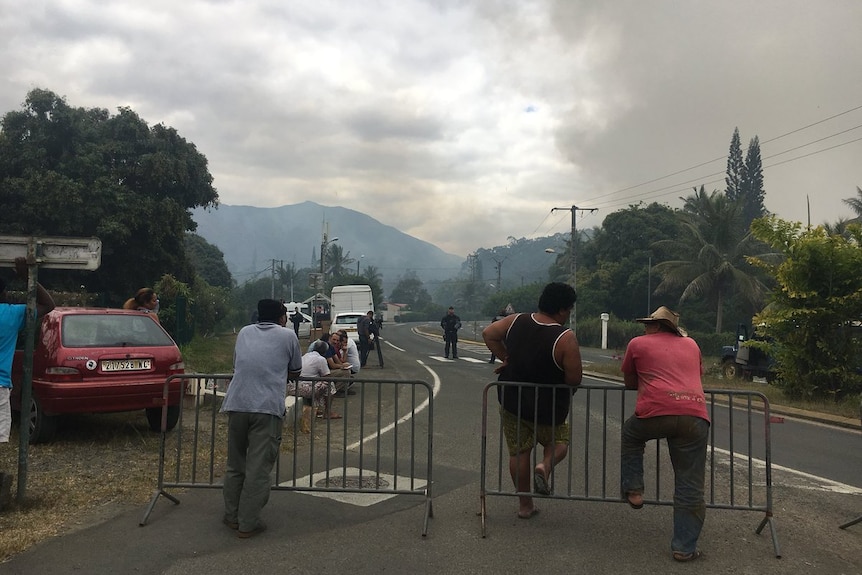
(126,364)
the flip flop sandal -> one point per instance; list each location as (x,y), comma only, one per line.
(540,484)
(684,557)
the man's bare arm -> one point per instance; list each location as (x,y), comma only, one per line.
(571,359)
(495,336)
(44,301)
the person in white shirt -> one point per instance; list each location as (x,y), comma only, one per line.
(318,392)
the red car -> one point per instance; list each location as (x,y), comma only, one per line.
(95,360)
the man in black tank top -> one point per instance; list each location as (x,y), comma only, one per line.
(536,348)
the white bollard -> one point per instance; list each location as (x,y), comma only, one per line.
(605,318)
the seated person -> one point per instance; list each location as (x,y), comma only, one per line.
(351,351)
(319,392)
(336,361)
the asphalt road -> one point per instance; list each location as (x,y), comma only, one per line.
(309,534)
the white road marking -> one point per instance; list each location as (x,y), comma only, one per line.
(419,409)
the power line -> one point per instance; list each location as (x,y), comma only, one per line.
(675,188)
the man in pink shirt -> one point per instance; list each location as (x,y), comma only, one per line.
(665,366)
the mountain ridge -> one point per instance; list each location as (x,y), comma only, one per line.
(293,233)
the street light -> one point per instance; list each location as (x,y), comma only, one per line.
(357,263)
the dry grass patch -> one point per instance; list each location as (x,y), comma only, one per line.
(101,463)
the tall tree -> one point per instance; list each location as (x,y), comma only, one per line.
(614,266)
(81,172)
(735,169)
(208,261)
(812,320)
(710,254)
(752,185)
(410,290)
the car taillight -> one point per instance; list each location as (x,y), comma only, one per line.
(176,368)
(61,374)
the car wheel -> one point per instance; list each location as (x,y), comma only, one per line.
(42,427)
(729,370)
(154,417)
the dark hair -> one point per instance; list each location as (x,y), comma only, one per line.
(556,297)
(142,297)
(2,285)
(270,310)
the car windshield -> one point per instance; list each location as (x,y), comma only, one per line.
(346,319)
(106,330)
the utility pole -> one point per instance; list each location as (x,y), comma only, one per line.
(272,281)
(499,267)
(573,257)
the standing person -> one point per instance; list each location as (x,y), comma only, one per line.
(296,319)
(266,356)
(497,317)
(363,329)
(13,319)
(536,348)
(145,300)
(375,341)
(450,323)
(665,366)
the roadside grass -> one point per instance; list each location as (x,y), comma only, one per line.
(99,465)
(848,407)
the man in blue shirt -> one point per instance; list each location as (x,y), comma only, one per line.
(13,318)
(266,355)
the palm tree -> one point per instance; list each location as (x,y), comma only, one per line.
(338,262)
(855,203)
(711,254)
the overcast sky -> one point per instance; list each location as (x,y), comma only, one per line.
(463,123)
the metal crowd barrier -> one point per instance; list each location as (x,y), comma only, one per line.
(382,445)
(738,466)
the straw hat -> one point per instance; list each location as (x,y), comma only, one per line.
(667,317)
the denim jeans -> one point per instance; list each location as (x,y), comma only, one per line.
(687,437)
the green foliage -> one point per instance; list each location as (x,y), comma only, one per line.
(752,194)
(523,299)
(174,310)
(208,261)
(710,255)
(812,320)
(81,172)
(735,173)
(410,290)
(619,332)
(614,274)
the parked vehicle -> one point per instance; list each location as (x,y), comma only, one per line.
(94,360)
(347,321)
(355,298)
(744,361)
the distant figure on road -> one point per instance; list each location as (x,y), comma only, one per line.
(450,323)
(375,341)
(296,319)
(266,356)
(536,348)
(363,330)
(665,366)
